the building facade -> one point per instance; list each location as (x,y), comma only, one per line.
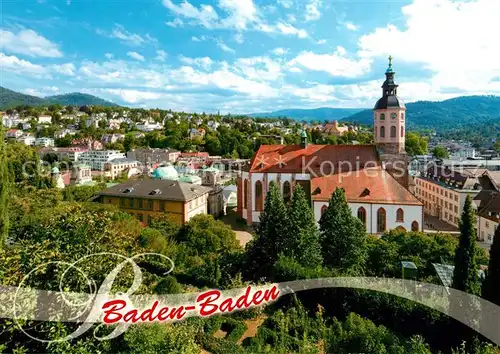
(142,199)
(97,158)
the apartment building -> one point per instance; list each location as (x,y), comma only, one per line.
(96,159)
(443,190)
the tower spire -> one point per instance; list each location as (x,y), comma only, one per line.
(389,69)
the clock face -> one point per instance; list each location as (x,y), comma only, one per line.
(393,115)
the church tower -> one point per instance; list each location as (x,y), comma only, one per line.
(389,115)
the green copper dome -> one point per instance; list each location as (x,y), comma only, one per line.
(165,172)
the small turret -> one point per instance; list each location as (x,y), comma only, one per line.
(303,139)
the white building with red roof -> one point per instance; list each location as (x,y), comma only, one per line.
(375,187)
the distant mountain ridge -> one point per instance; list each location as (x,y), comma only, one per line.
(439,115)
(320,114)
(445,115)
(10,99)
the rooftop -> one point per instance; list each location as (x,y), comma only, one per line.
(157,189)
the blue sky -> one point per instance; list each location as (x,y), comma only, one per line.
(245,56)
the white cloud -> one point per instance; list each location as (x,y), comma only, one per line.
(241,13)
(312,10)
(204,62)
(286,3)
(279,51)
(44,91)
(321,41)
(136,56)
(336,64)
(13,63)
(205,15)
(220,43)
(126,37)
(161,55)
(67,69)
(28,42)
(457,41)
(109,56)
(294,69)
(287,28)
(260,68)
(351,26)
(238,38)
(177,22)
(133,96)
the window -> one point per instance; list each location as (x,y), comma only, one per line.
(402,116)
(140,204)
(287,191)
(402,132)
(122,202)
(150,204)
(245,194)
(393,131)
(382,132)
(259,196)
(400,215)
(362,215)
(381,220)
(323,209)
(393,115)
(139,216)
(131,203)
(382,116)
(150,219)
(162,206)
(414,226)
(456,209)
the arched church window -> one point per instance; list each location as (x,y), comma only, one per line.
(362,215)
(402,132)
(400,215)
(414,226)
(323,209)
(393,131)
(382,132)
(259,196)
(382,116)
(381,220)
(402,116)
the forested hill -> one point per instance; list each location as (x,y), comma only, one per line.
(452,114)
(318,114)
(9,99)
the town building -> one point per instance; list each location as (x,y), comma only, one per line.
(81,174)
(88,143)
(377,195)
(67,153)
(443,190)
(44,119)
(44,142)
(143,198)
(26,139)
(14,133)
(488,209)
(112,138)
(336,130)
(151,156)
(114,168)
(97,158)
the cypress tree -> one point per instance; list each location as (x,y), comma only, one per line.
(303,243)
(4,188)
(491,285)
(343,236)
(271,232)
(465,274)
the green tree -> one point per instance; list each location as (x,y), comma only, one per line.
(343,236)
(465,275)
(4,188)
(491,290)
(303,243)
(440,152)
(273,229)
(415,144)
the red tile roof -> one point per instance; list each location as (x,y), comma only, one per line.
(295,159)
(370,185)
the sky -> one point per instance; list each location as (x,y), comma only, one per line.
(245,56)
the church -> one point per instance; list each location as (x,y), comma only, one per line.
(375,178)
